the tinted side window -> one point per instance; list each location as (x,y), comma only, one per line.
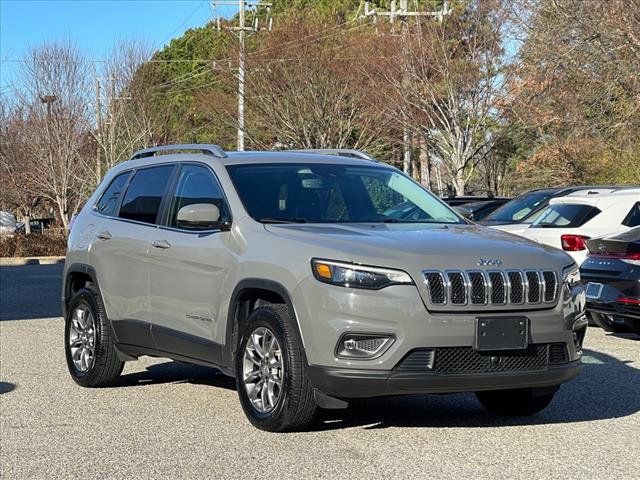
(143,197)
(633,218)
(109,199)
(196,184)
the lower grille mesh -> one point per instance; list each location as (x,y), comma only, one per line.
(466,360)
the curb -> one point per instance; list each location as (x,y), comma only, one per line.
(17,261)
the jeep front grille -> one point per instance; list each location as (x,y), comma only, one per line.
(491,288)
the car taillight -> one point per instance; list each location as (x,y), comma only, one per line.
(628,300)
(573,243)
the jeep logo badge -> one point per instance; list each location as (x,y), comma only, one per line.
(489,262)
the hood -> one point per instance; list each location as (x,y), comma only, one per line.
(416,247)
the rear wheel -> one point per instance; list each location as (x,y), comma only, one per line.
(273,387)
(89,344)
(518,402)
(609,323)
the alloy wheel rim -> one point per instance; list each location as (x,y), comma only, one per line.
(263,369)
(82,338)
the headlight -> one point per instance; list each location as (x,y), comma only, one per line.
(357,276)
(571,275)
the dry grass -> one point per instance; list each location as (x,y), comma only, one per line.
(34,245)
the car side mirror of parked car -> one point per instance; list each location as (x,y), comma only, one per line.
(201,216)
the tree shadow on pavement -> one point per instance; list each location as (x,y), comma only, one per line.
(606,388)
(6,387)
(176,372)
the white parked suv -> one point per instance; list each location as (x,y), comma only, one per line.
(571,220)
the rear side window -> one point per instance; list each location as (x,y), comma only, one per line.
(566,215)
(633,218)
(196,184)
(144,195)
(109,200)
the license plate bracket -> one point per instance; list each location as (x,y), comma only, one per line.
(594,290)
(501,333)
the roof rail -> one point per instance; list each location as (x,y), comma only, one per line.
(205,149)
(340,152)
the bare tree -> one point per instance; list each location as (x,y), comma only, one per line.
(579,89)
(15,165)
(55,106)
(308,93)
(452,82)
(124,116)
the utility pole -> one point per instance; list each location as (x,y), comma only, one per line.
(242,30)
(404,14)
(98,107)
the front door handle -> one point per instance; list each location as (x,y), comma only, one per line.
(162,244)
(104,235)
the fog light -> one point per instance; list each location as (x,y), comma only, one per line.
(350,344)
(353,345)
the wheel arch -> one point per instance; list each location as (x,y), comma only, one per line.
(77,275)
(248,295)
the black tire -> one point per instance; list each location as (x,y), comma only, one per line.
(106,365)
(295,408)
(520,402)
(609,323)
(633,324)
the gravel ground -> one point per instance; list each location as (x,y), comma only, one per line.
(169,420)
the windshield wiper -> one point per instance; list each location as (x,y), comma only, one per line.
(282,220)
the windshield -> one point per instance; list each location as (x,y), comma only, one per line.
(322,193)
(518,209)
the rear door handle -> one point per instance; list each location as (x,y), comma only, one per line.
(163,244)
(104,235)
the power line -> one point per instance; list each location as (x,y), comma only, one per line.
(403,13)
(242,29)
(182,23)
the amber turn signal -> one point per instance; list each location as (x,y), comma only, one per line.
(323,270)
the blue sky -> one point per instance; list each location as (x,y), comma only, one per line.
(94,24)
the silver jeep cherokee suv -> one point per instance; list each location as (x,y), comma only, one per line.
(313,277)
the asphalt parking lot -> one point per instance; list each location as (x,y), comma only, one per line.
(170,420)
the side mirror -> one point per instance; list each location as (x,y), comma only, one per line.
(200,216)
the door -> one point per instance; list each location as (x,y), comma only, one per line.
(187,267)
(120,250)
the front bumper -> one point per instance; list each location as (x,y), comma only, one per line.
(325,313)
(361,383)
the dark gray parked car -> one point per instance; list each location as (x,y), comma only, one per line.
(611,274)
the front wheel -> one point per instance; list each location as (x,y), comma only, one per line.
(519,402)
(270,365)
(89,344)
